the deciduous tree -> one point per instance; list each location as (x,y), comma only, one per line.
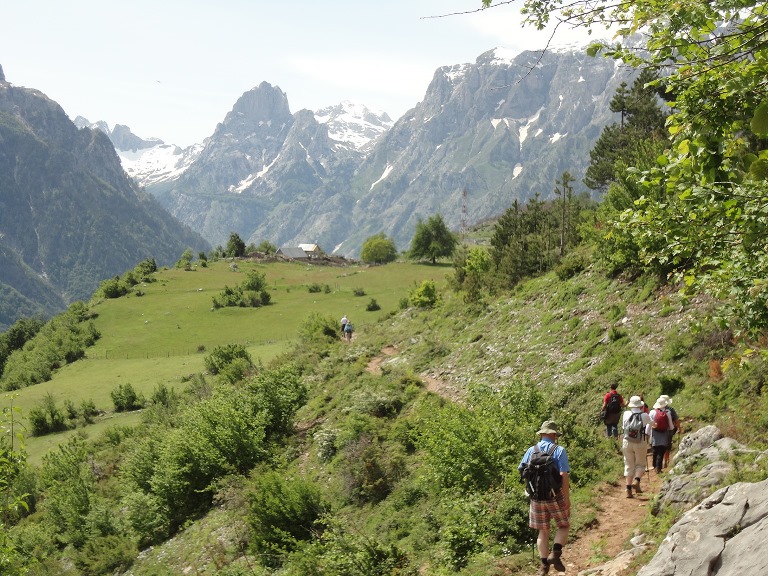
(432,240)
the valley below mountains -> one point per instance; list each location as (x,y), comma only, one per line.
(80,202)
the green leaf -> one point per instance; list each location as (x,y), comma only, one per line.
(759,123)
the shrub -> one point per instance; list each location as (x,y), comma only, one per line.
(424,296)
(282,513)
(314,288)
(222,356)
(373,306)
(317,328)
(358,292)
(106,555)
(570,265)
(46,417)
(125,398)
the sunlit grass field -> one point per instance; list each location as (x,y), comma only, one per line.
(163,336)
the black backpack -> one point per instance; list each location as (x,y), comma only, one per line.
(541,474)
(612,409)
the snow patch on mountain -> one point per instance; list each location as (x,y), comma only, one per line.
(353,125)
(160,163)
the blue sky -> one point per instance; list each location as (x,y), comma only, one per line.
(172,69)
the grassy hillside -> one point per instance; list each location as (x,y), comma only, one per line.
(162,337)
(401,456)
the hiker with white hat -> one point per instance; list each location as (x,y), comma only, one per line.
(661,431)
(634,423)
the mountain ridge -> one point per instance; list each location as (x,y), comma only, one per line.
(485,134)
(70,216)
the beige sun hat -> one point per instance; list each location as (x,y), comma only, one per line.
(635,402)
(662,402)
(667,398)
(549,427)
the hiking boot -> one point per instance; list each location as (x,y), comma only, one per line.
(636,486)
(543,569)
(554,560)
(629,492)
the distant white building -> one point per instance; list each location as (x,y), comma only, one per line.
(311,249)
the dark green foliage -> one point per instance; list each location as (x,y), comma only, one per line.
(641,119)
(317,328)
(282,513)
(252,292)
(47,417)
(531,240)
(572,264)
(69,484)
(172,477)
(315,288)
(345,550)
(235,246)
(432,240)
(358,291)
(378,249)
(266,247)
(106,555)
(372,306)
(60,341)
(16,336)
(474,446)
(222,356)
(185,261)
(125,398)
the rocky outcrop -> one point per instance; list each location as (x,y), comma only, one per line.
(723,529)
(722,536)
(722,532)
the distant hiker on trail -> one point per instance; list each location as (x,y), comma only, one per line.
(343,324)
(675,428)
(661,431)
(545,468)
(634,445)
(611,411)
(348,331)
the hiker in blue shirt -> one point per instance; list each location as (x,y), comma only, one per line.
(542,512)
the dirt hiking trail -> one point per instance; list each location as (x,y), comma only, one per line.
(616,518)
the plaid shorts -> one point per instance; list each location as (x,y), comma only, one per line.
(542,511)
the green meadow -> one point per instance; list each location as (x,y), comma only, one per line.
(163,336)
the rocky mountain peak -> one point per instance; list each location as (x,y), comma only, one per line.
(261,104)
(2,74)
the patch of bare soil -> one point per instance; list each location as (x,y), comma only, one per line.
(615,524)
(374,366)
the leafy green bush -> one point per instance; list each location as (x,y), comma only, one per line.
(425,295)
(282,513)
(319,329)
(222,356)
(571,264)
(60,341)
(372,306)
(106,555)
(125,398)
(46,417)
